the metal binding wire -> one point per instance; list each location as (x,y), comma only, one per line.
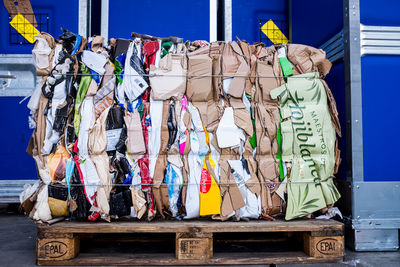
(187,75)
(226,183)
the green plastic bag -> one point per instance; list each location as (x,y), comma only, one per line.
(308,142)
(82,90)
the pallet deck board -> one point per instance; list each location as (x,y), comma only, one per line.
(194,226)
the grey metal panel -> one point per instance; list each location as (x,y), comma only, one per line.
(373,40)
(352,60)
(372,204)
(373,50)
(213,20)
(104,19)
(375,216)
(11,189)
(380,43)
(228,20)
(84,18)
(382,223)
(376,205)
(380,40)
(376,240)
(23,68)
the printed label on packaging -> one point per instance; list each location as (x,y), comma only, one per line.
(112,138)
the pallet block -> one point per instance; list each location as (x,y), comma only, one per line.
(196,246)
(58,247)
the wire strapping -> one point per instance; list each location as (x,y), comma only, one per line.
(182,184)
(187,75)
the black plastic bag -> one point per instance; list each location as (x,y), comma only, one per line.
(62,113)
(81,207)
(68,39)
(120,203)
(121,47)
(58,199)
(137,64)
(172,125)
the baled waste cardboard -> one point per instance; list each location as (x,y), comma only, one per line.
(155,127)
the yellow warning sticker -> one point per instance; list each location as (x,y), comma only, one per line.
(24,27)
(274,33)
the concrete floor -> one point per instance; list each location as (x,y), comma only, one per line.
(18,237)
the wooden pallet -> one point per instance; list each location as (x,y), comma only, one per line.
(196,242)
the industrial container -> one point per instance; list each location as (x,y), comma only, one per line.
(361,38)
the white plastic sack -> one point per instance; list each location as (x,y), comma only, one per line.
(53,136)
(228,134)
(90,178)
(41,53)
(135,187)
(252,209)
(33,103)
(215,156)
(133,85)
(94,61)
(226,83)
(42,208)
(28,191)
(174,180)
(197,126)
(87,121)
(56,57)
(156,113)
(193,189)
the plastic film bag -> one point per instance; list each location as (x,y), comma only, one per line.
(174,180)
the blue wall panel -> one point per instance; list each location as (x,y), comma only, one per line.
(14,135)
(380,92)
(246,16)
(380,13)
(315,21)
(62,13)
(380,95)
(186,19)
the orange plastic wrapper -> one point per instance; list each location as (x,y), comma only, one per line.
(57,162)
